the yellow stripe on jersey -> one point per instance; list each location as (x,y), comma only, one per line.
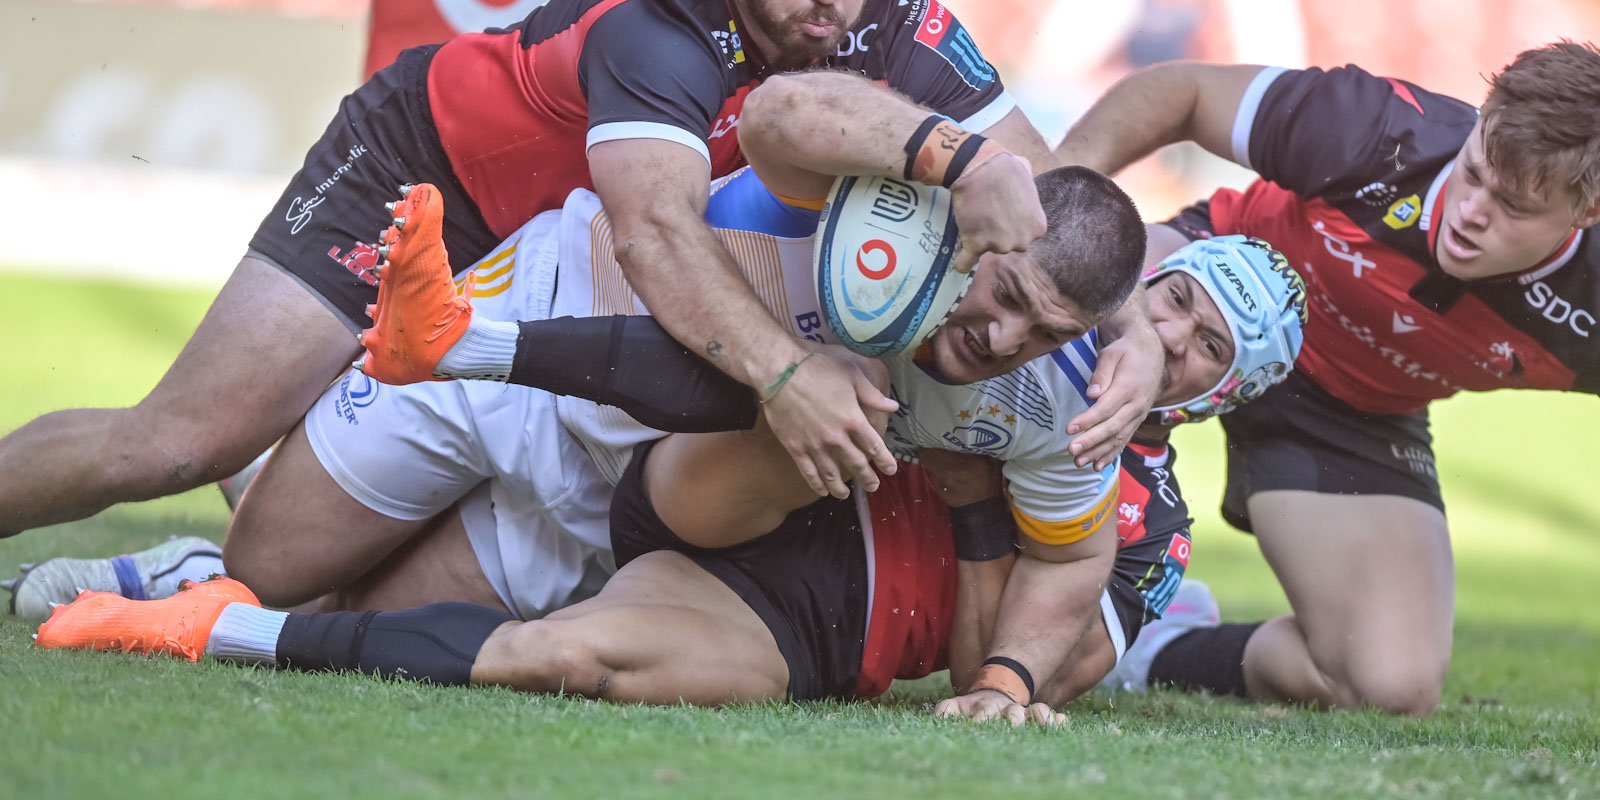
(1069,531)
(493,276)
(612,294)
(756,254)
(813,205)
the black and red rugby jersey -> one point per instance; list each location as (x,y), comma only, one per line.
(517,108)
(1149,503)
(1356,165)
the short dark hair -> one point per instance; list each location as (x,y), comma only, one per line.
(1093,245)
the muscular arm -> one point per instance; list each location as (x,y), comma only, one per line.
(1050,599)
(1155,107)
(800,131)
(655,193)
(964,479)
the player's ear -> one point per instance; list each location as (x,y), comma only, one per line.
(1590,217)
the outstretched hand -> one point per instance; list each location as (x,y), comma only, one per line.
(1125,385)
(820,417)
(988,705)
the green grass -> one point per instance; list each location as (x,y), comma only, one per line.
(1521,715)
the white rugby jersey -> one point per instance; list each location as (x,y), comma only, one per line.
(1019,418)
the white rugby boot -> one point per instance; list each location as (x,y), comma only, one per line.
(146,575)
(1193,606)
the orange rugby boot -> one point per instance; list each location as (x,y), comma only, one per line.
(419,315)
(178,625)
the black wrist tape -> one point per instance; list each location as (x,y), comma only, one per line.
(914,144)
(963,157)
(984,531)
(1015,666)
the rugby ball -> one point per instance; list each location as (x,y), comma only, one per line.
(883,263)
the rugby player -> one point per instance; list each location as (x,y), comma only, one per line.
(333,504)
(1445,248)
(836,603)
(634,98)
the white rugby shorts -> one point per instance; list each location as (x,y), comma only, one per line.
(535,507)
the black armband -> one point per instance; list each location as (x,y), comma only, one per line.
(984,531)
(1006,676)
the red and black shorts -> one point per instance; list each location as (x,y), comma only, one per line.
(324,228)
(1297,436)
(807,579)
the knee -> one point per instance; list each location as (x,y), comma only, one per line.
(547,656)
(262,564)
(1400,681)
(1411,690)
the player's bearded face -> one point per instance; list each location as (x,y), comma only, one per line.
(802,31)
(1491,226)
(1011,314)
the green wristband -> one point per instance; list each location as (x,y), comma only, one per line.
(782,380)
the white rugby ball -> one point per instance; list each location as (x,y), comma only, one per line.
(883,263)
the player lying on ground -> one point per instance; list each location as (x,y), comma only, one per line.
(1445,249)
(634,98)
(838,600)
(332,506)
(354,508)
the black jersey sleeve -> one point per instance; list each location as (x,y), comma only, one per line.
(642,68)
(922,51)
(1315,132)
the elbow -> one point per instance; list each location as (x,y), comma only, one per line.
(769,110)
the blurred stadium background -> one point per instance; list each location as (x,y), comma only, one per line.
(193,113)
(141,141)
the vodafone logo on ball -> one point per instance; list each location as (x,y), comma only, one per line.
(868,252)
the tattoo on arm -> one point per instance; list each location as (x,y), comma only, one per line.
(714,348)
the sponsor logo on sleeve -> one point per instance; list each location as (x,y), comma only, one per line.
(1178,549)
(1404,212)
(945,35)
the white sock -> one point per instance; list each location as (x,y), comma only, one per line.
(246,633)
(483,353)
(195,568)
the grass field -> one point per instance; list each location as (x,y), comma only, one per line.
(1520,718)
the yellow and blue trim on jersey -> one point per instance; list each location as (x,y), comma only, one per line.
(1067,531)
(744,203)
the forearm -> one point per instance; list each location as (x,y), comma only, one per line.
(692,286)
(979,587)
(813,121)
(1046,608)
(1142,113)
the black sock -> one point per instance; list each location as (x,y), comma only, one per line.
(1205,659)
(634,364)
(435,643)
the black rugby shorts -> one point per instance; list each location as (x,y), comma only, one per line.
(807,579)
(324,228)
